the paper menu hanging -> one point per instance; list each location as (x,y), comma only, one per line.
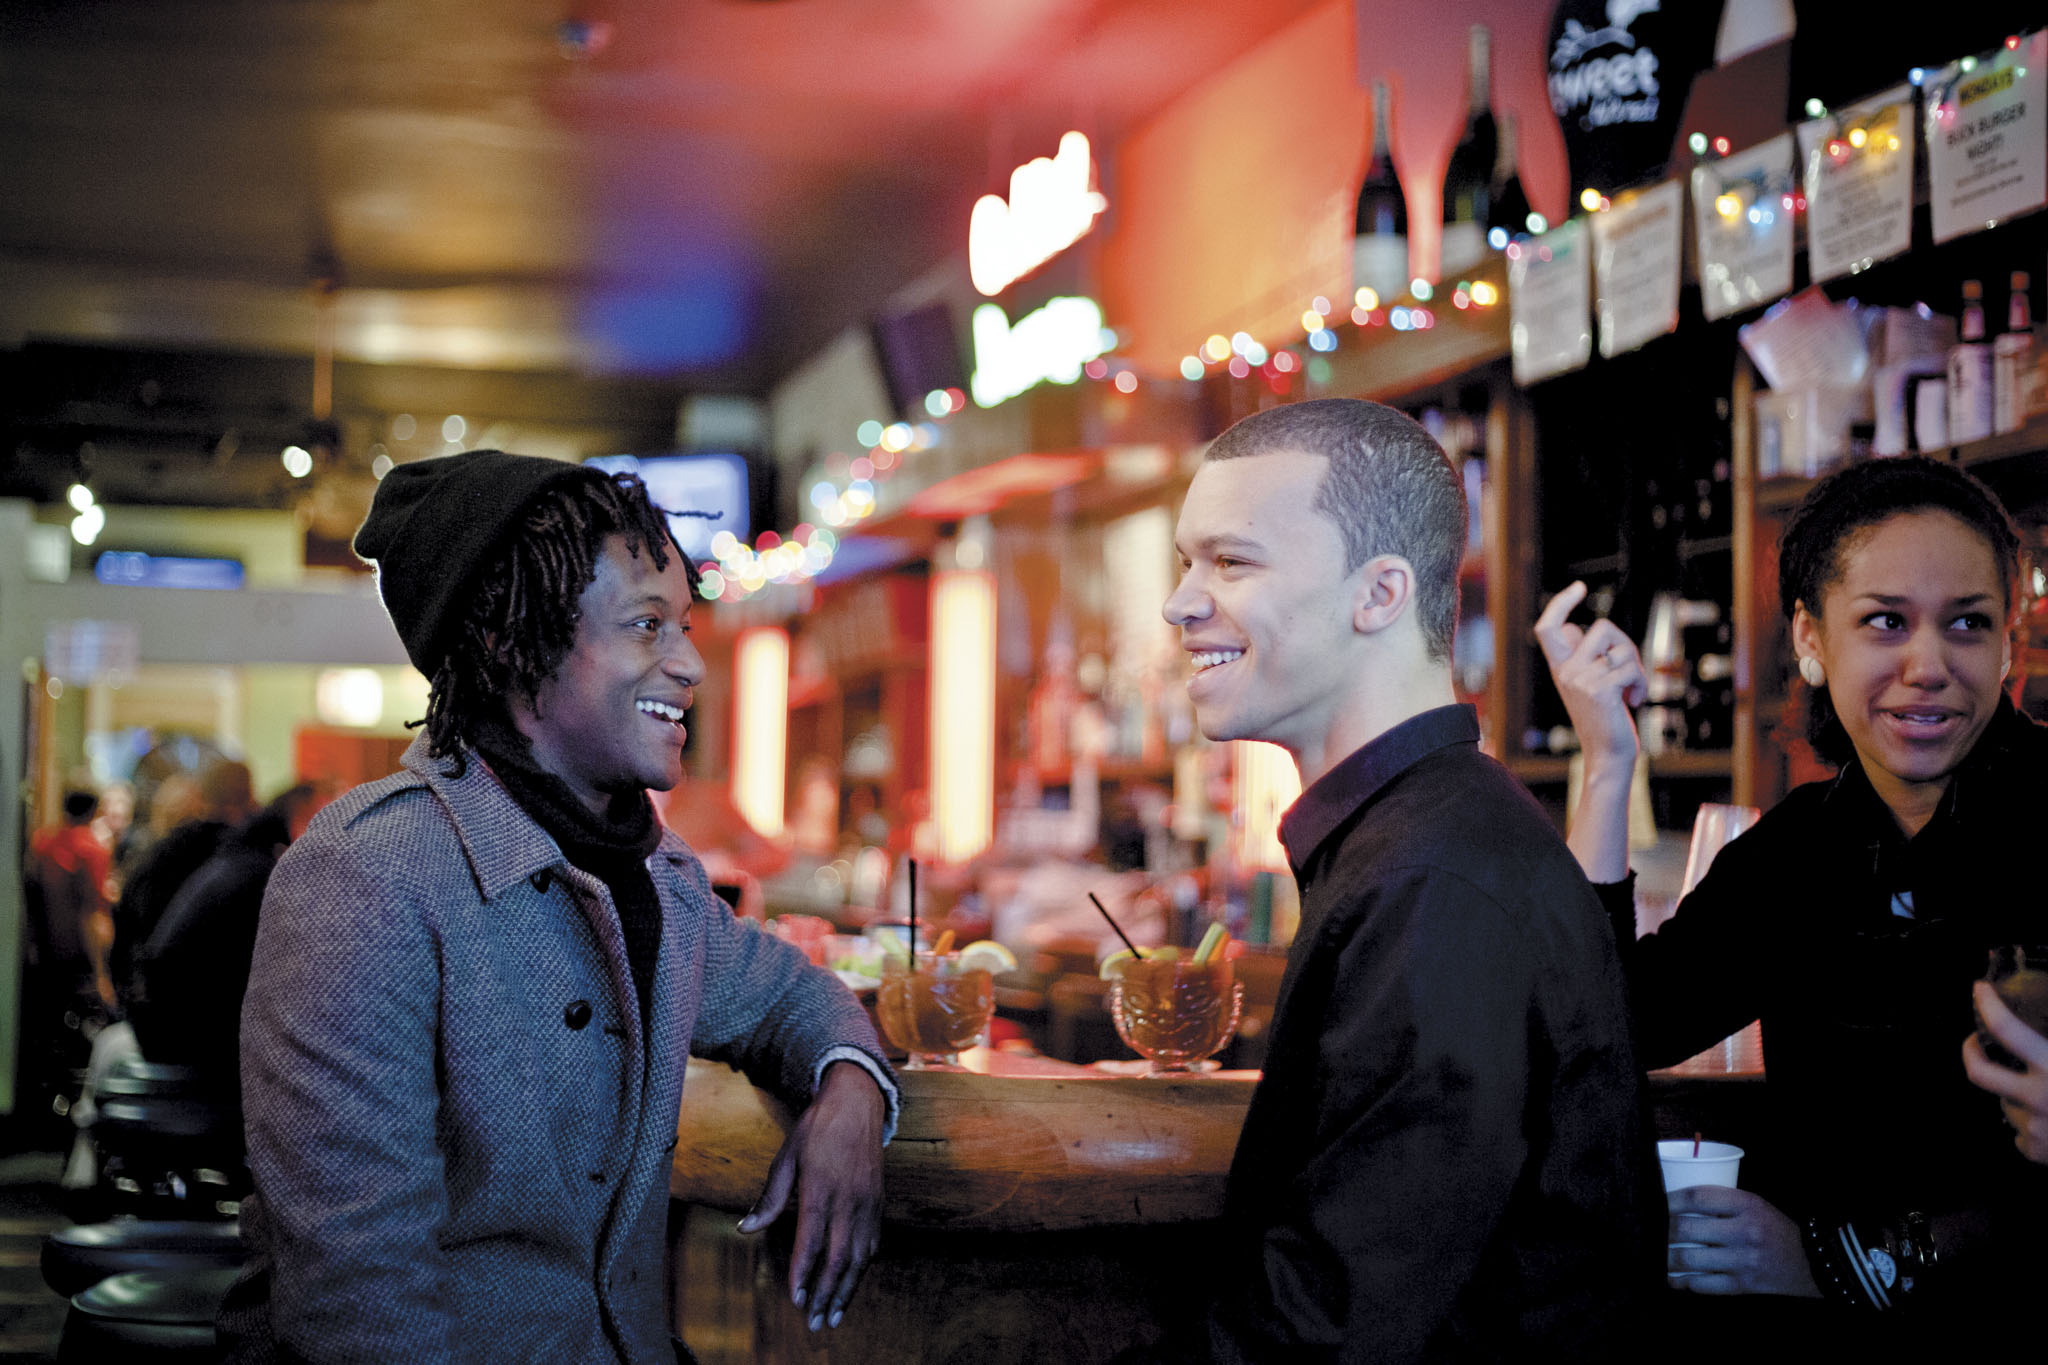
(1636,259)
(1742,220)
(1550,302)
(1987,137)
(1858,171)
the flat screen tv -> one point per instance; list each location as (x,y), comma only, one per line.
(711,486)
(919,351)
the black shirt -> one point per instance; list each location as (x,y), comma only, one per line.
(1447,1157)
(1856,946)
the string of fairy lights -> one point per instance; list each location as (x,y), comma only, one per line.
(844,491)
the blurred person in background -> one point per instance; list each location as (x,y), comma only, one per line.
(65,989)
(224,797)
(187,978)
(116,817)
(68,874)
(172,802)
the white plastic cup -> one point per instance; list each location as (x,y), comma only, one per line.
(1715,1164)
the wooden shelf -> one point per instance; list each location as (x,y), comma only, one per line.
(1539,769)
(1535,769)
(1108,770)
(1987,459)
(1694,763)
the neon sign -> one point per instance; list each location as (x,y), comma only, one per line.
(1052,205)
(1052,343)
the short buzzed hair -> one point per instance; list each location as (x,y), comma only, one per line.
(1390,490)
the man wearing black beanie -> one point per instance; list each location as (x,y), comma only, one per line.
(476,982)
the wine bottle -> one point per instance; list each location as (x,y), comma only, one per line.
(2013,372)
(1969,373)
(1379,252)
(1507,207)
(1468,180)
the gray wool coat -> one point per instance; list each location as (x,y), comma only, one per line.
(459,1136)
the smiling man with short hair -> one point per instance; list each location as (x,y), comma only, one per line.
(476,982)
(1446,1158)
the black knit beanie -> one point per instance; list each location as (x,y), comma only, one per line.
(433,526)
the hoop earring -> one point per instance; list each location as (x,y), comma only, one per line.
(1811,670)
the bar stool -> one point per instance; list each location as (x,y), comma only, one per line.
(78,1257)
(166,1143)
(146,1318)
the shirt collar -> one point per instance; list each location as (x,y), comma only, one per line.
(1334,796)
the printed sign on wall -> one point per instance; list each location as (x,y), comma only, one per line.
(1987,137)
(1636,246)
(1859,184)
(1550,298)
(1742,215)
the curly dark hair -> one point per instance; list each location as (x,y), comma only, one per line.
(521,620)
(1851,501)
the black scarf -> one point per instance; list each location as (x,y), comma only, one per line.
(613,848)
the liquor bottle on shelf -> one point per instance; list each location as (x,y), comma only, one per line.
(1508,211)
(1379,251)
(1468,180)
(1662,721)
(1710,688)
(2015,377)
(1969,373)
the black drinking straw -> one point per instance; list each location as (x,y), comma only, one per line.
(913,909)
(1114,925)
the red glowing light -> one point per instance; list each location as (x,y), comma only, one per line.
(1096,369)
(768,541)
(1721,145)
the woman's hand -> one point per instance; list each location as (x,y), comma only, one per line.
(1745,1245)
(1599,675)
(2022,1094)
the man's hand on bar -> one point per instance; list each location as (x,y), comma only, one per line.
(833,1161)
(1747,1245)
(2023,1094)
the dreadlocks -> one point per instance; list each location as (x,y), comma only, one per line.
(522,621)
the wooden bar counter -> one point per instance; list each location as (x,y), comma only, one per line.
(1034,1212)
